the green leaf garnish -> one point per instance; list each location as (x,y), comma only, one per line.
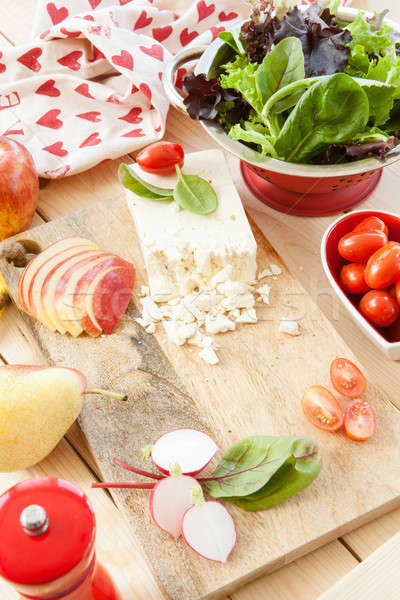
(135,184)
(194,194)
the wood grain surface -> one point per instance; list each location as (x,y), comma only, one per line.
(256,389)
(297,241)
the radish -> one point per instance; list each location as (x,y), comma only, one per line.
(169,500)
(208,528)
(192,449)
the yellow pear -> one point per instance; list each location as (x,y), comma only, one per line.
(37,406)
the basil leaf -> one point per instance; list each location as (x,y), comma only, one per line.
(249,465)
(194,194)
(282,66)
(135,184)
(285,483)
(332,111)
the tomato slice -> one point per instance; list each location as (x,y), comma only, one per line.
(347,379)
(160,158)
(321,408)
(372,224)
(359,420)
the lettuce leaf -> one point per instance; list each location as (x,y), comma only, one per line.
(240,75)
(253,133)
(364,33)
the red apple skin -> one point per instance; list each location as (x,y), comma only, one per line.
(19,187)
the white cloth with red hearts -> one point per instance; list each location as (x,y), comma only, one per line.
(88,88)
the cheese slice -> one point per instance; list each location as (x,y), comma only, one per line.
(186,252)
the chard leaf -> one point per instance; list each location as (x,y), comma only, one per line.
(135,184)
(332,111)
(251,463)
(292,477)
(195,194)
(283,65)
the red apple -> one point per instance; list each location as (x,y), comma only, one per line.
(19,187)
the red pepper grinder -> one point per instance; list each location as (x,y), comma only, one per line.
(47,533)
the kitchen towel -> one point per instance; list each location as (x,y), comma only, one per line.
(88,88)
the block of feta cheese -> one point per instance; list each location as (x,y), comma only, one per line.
(183,251)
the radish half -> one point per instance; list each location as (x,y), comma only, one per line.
(169,500)
(192,449)
(208,528)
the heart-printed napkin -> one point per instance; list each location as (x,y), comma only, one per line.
(88,88)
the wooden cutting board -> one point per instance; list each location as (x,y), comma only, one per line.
(256,389)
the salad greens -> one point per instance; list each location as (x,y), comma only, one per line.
(260,471)
(304,87)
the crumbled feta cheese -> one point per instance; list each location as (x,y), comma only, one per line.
(248,315)
(219,324)
(265,273)
(238,301)
(178,334)
(234,314)
(145,290)
(209,355)
(143,322)
(151,328)
(264,292)
(151,311)
(290,327)
(275,269)
(221,276)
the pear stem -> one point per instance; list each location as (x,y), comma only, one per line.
(113,395)
(119,463)
(136,486)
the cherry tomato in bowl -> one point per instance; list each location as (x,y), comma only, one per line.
(352,279)
(347,378)
(372,224)
(357,247)
(321,408)
(359,420)
(383,267)
(160,158)
(380,308)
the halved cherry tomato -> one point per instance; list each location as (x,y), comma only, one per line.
(372,224)
(352,279)
(383,267)
(160,158)
(347,379)
(358,247)
(321,408)
(359,420)
(379,308)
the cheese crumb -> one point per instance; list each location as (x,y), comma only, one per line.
(209,355)
(275,269)
(263,274)
(247,316)
(264,292)
(289,327)
(145,290)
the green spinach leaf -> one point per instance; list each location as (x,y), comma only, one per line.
(195,194)
(135,184)
(380,99)
(332,111)
(232,38)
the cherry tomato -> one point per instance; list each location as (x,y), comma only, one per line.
(396,292)
(392,291)
(321,408)
(352,279)
(379,308)
(347,379)
(358,247)
(160,158)
(359,420)
(372,224)
(383,267)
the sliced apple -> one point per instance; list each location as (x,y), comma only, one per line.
(70,298)
(107,299)
(56,276)
(39,279)
(37,263)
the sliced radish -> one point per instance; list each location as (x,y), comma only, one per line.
(169,500)
(192,449)
(208,528)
